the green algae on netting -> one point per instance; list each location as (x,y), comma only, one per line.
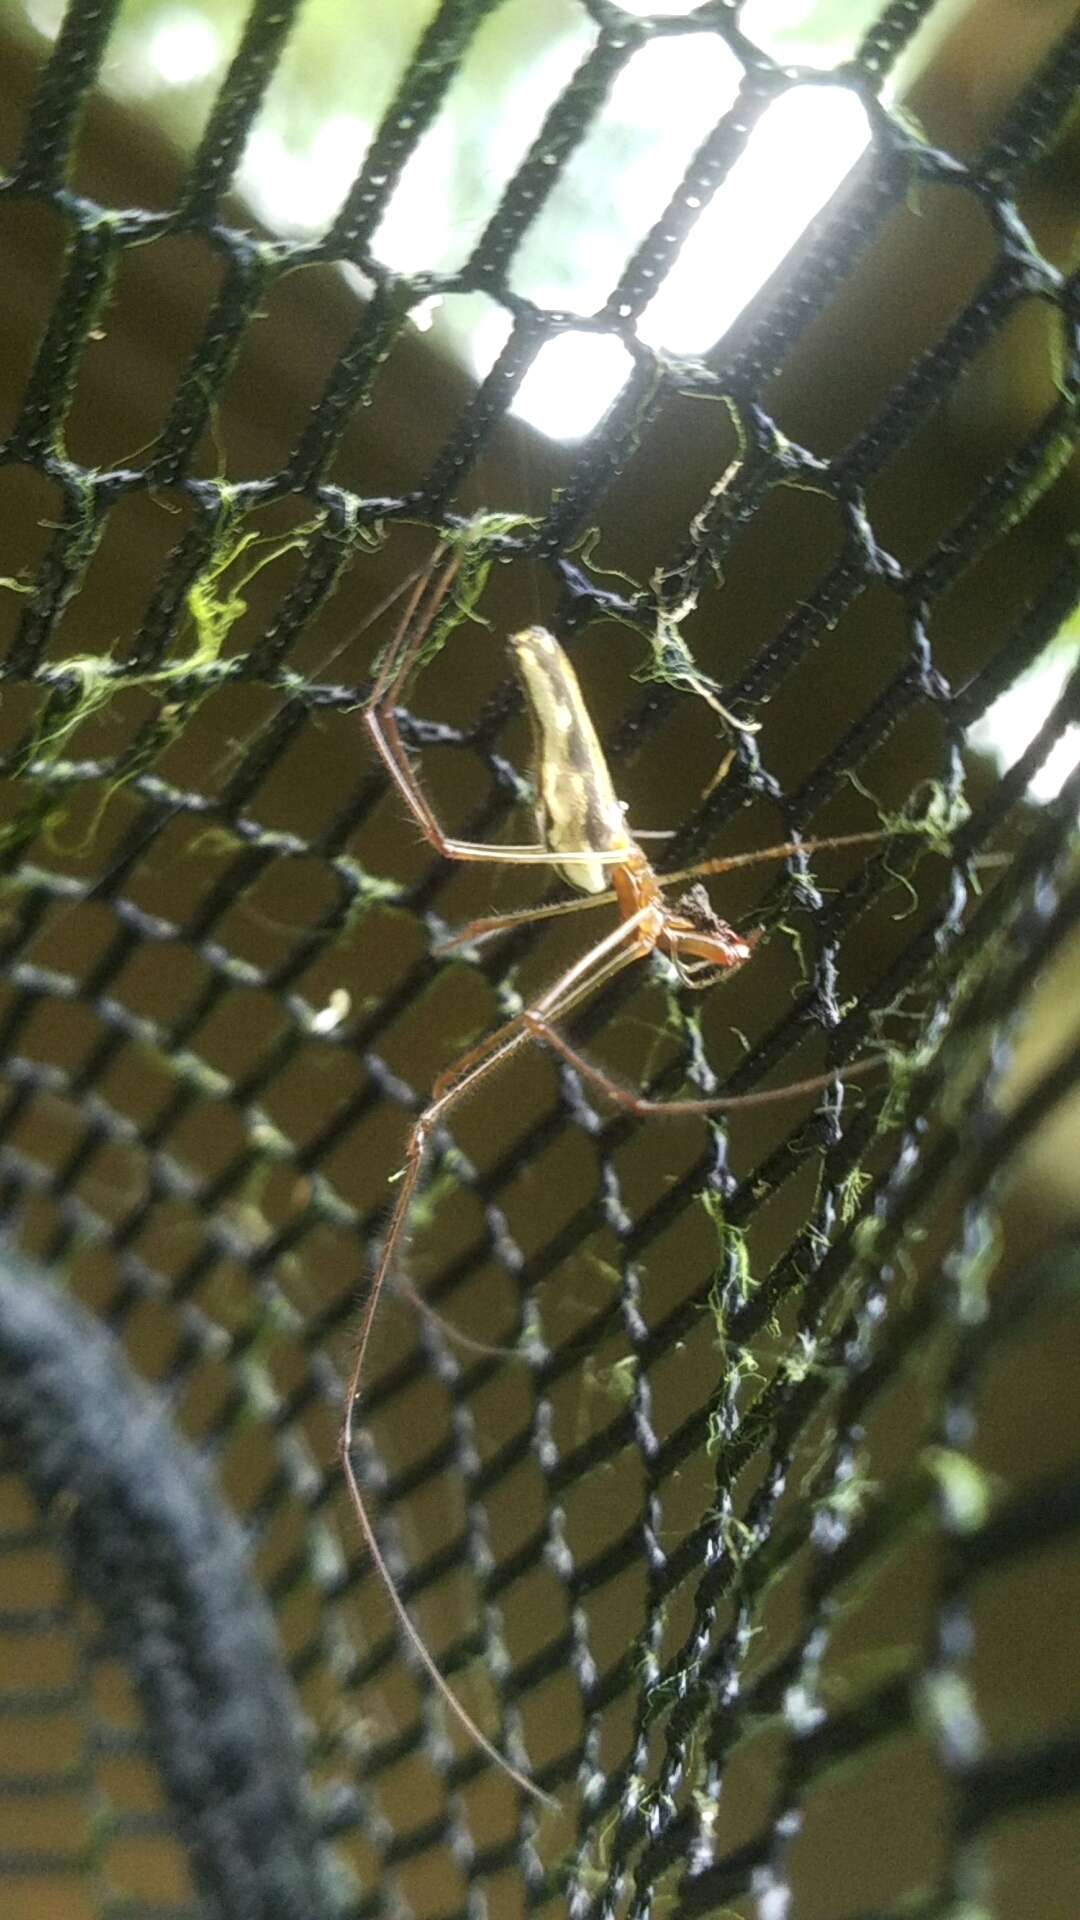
(83,685)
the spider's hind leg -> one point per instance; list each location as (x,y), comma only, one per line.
(639,1104)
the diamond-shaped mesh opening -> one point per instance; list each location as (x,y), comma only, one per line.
(731,1481)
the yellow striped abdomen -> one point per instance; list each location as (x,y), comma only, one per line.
(576,808)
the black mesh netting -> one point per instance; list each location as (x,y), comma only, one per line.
(734,1484)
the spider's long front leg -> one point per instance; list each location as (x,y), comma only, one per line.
(784,850)
(379,718)
(381,722)
(624,945)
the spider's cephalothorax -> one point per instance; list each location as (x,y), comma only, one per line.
(703,946)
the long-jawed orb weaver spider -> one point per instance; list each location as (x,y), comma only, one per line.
(585,838)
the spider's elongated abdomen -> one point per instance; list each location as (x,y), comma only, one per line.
(575,800)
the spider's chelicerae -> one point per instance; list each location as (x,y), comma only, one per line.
(584,836)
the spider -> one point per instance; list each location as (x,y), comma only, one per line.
(585,837)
